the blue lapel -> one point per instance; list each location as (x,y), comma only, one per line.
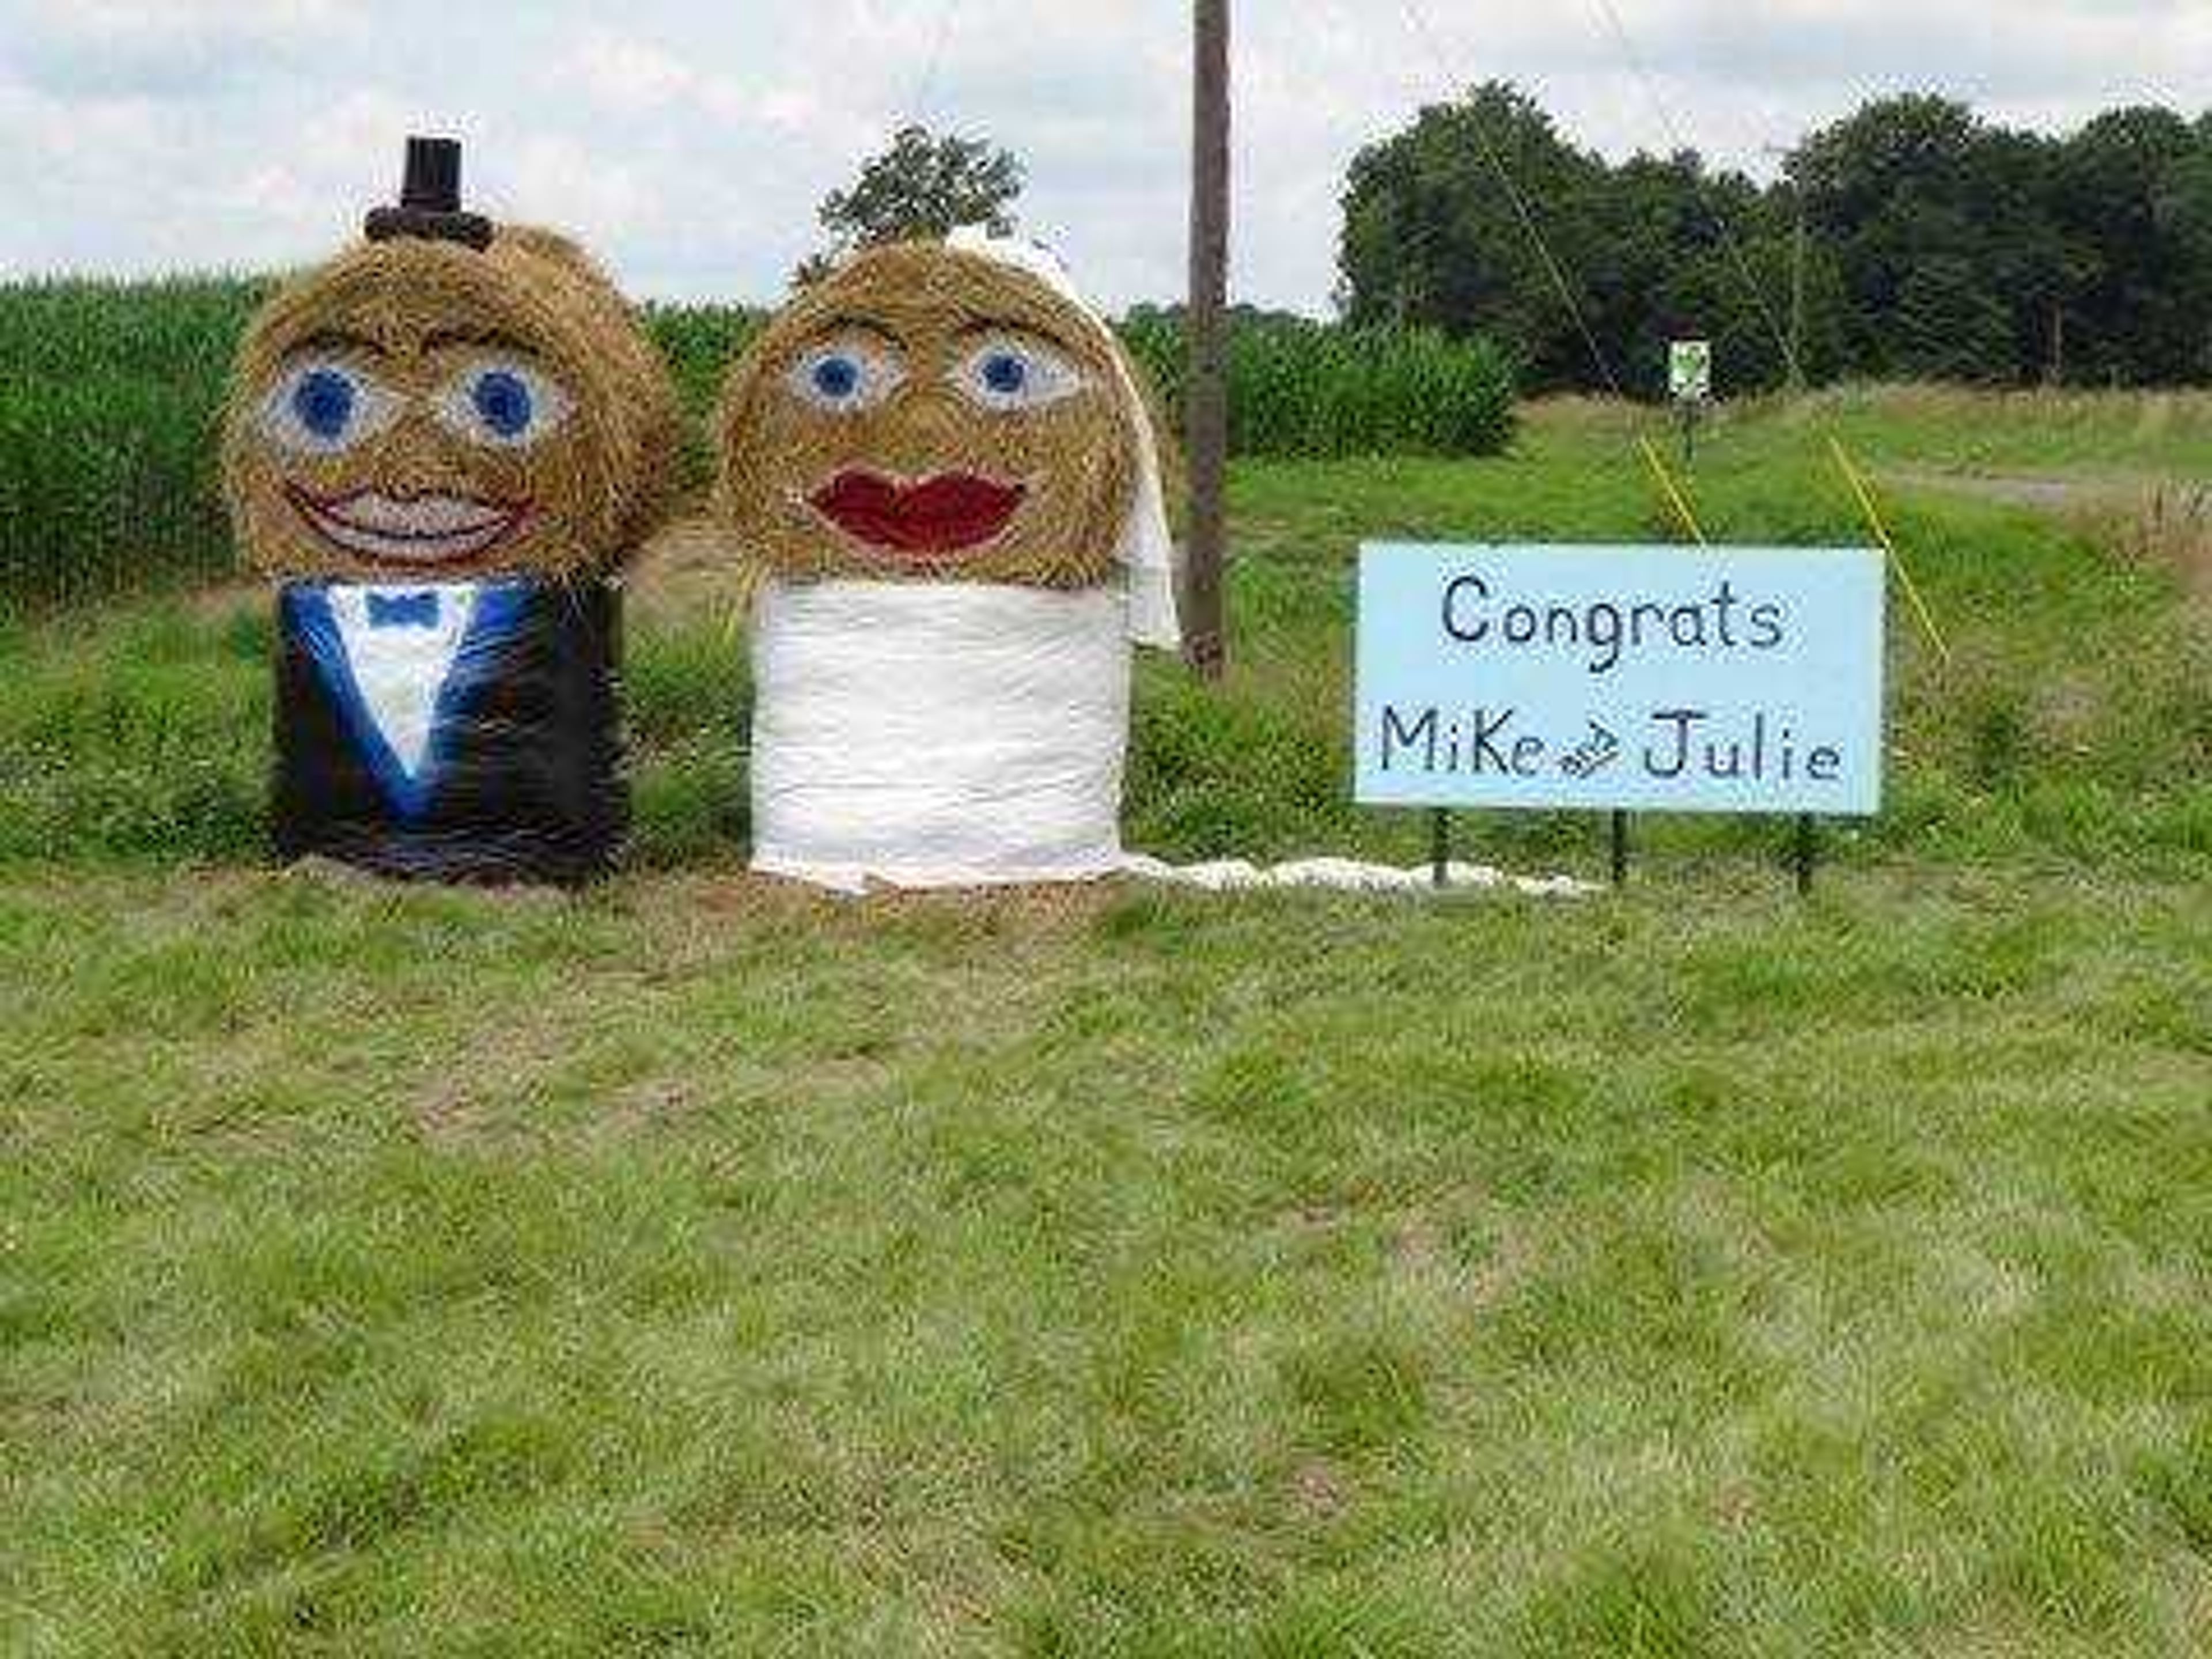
(500,609)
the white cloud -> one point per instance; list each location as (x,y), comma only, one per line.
(688,141)
(174,49)
(628,75)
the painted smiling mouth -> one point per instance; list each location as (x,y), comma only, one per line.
(408,529)
(938,517)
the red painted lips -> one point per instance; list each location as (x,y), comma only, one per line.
(934,517)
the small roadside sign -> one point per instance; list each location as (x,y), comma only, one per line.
(1690,379)
(1690,371)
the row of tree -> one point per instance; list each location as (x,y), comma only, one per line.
(1913,239)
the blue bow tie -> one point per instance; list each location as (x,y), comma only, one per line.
(403,611)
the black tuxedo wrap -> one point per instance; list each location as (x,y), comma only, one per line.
(532,787)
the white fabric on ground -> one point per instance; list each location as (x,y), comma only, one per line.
(948,734)
(1350,876)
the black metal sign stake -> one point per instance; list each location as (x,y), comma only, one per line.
(1808,852)
(1620,850)
(1440,847)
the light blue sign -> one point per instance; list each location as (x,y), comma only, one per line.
(1644,678)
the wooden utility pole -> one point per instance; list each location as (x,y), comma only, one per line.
(1207,321)
(1795,365)
(1797,299)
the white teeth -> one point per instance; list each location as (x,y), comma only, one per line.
(420,530)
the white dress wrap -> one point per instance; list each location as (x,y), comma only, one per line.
(938,735)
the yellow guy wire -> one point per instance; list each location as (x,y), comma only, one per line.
(1860,488)
(1676,498)
(1868,506)
(1418,24)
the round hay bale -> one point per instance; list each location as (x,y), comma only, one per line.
(926,413)
(404,461)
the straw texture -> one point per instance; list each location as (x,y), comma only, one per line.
(921,311)
(413,315)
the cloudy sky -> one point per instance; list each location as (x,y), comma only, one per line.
(688,141)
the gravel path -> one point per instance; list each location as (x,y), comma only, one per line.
(2021,489)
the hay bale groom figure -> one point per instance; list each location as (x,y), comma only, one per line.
(443,443)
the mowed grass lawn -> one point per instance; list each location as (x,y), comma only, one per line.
(699,1266)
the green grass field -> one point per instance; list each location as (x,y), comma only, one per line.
(698,1266)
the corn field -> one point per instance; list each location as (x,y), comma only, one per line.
(1307,391)
(111,395)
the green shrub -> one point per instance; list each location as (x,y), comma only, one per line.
(700,343)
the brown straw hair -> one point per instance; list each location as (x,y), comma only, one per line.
(598,484)
(1077,459)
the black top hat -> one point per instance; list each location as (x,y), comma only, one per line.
(430,200)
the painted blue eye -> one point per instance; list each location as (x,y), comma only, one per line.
(836,377)
(503,403)
(1009,375)
(846,376)
(320,406)
(324,403)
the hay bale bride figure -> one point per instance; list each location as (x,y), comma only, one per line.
(940,460)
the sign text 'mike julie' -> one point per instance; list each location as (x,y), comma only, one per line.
(1678,679)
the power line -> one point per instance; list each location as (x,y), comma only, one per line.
(1676,498)
(1417,20)
(1854,476)
(1729,237)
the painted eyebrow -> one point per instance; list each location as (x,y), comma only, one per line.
(836,326)
(967,333)
(331,339)
(1006,325)
(445,338)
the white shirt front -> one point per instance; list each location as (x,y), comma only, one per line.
(403,671)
